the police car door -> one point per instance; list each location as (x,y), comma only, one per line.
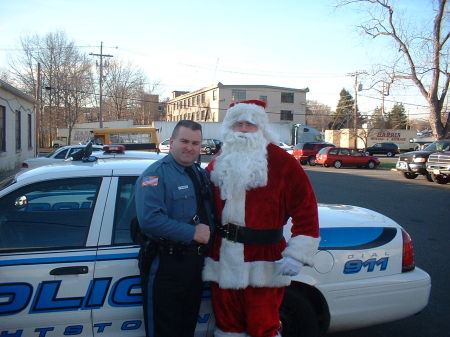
(116,273)
(48,236)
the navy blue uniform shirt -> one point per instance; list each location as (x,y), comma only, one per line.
(165,201)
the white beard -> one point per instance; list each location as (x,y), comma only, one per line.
(241,166)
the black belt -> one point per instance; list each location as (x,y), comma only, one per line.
(181,249)
(250,236)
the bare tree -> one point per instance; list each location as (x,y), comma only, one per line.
(65,73)
(421,58)
(123,87)
(318,115)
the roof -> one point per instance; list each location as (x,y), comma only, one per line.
(16,92)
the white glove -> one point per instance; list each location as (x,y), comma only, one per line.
(289,266)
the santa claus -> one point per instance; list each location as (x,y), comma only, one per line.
(258,187)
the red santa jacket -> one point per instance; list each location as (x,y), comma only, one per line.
(288,193)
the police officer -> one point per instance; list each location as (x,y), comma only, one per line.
(176,217)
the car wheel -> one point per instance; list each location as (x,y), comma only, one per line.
(371,164)
(367,153)
(390,154)
(303,162)
(409,175)
(298,317)
(337,164)
(439,179)
(312,161)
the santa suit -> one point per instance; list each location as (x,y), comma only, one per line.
(247,287)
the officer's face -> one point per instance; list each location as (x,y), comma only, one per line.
(185,147)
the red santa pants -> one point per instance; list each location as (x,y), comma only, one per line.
(253,311)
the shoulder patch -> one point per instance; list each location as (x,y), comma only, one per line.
(150,181)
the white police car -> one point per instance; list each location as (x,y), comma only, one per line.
(68,265)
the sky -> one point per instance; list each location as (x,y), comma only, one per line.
(188,45)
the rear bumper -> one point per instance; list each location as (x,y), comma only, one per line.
(362,303)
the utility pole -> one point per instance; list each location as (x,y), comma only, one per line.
(355,106)
(38,113)
(101,55)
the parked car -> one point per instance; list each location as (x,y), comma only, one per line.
(69,265)
(389,149)
(208,146)
(438,166)
(305,153)
(119,152)
(164,146)
(340,157)
(218,144)
(412,164)
(58,155)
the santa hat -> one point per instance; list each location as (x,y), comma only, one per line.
(252,111)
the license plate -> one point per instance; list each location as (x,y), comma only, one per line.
(436,172)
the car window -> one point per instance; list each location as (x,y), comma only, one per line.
(356,153)
(333,151)
(308,147)
(125,210)
(47,215)
(344,152)
(62,154)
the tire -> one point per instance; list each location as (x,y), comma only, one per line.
(390,154)
(429,177)
(337,164)
(303,162)
(297,315)
(326,165)
(371,165)
(439,179)
(312,161)
(409,175)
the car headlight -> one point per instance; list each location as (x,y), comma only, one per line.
(420,160)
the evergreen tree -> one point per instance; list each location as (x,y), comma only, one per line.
(343,118)
(396,118)
(378,121)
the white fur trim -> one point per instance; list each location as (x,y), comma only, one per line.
(302,248)
(220,333)
(252,113)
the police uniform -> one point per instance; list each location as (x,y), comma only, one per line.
(166,205)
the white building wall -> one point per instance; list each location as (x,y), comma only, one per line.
(14,100)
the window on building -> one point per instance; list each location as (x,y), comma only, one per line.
(18,131)
(286,115)
(214,95)
(203,115)
(30,132)
(2,128)
(238,95)
(263,98)
(287,97)
(203,98)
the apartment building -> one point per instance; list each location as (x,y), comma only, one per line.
(210,104)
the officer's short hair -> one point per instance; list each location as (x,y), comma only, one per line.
(194,126)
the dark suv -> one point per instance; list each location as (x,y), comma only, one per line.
(389,149)
(305,153)
(210,146)
(411,164)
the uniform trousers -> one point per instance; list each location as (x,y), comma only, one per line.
(174,289)
(250,311)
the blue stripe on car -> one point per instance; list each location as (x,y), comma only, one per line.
(343,238)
